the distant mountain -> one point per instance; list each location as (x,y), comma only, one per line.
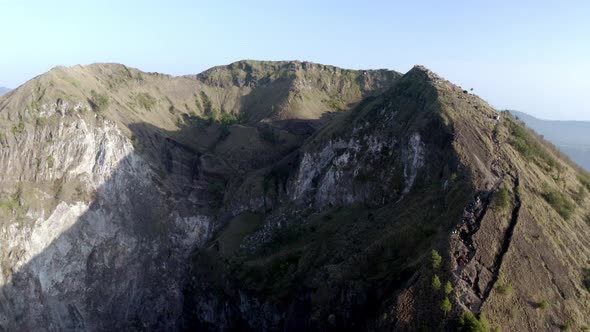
(4,90)
(572,137)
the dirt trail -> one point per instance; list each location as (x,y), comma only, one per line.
(507,239)
(475,280)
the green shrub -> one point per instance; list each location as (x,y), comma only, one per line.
(543,305)
(98,102)
(446,306)
(580,195)
(504,289)
(145,100)
(436,284)
(560,202)
(503,198)
(19,128)
(469,323)
(207,105)
(435,259)
(448,288)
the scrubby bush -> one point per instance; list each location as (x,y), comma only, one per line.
(543,305)
(503,198)
(98,102)
(504,289)
(145,101)
(207,105)
(560,202)
(19,128)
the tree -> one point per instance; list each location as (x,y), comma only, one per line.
(445,306)
(483,322)
(436,259)
(469,323)
(436,284)
(448,288)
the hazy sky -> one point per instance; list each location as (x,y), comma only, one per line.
(533,56)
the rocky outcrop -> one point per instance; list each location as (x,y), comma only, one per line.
(91,241)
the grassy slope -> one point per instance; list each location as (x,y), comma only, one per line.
(549,248)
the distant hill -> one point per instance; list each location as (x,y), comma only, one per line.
(572,137)
(4,90)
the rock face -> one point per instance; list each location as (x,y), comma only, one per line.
(272,196)
(107,240)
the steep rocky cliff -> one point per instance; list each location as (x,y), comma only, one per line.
(280,196)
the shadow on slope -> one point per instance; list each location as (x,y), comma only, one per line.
(118,262)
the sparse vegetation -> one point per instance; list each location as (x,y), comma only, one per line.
(527,145)
(580,194)
(145,101)
(207,105)
(560,202)
(543,305)
(226,120)
(19,128)
(98,101)
(335,105)
(504,289)
(435,259)
(503,198)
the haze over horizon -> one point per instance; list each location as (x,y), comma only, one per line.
(527,56)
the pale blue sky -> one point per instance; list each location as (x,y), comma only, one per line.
(533,56)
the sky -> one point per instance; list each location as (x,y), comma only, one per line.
(532,56)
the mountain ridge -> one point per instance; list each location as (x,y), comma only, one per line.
(571,137)
(269,196)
